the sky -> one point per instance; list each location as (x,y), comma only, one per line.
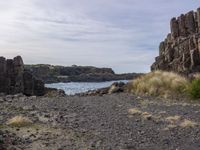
(121,34)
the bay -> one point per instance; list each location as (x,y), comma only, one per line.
(72,88)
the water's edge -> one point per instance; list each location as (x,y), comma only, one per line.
(72,88)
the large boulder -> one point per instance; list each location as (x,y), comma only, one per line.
(15,79)
(180,51)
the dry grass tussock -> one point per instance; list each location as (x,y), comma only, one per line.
(19,121)
(187,123)
(134,111)
(159,83)
(173,119)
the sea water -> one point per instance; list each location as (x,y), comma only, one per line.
(72,88)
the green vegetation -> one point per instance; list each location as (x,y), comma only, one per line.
(194,89)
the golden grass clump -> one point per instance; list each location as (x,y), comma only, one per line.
(134,111)
(112,88)
(159,83)
(187,123)
(19,121)
(146,115)
(173,119)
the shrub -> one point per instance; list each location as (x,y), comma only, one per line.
(159,83)
(19,121)
(194,89)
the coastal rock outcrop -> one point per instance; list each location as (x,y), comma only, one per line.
(180,51)
(55,74)
(15,79)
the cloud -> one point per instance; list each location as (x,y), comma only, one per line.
(120,34)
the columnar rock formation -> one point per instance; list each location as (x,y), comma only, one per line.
(180,51)
(15,79)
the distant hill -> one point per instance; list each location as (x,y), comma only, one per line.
(53,74)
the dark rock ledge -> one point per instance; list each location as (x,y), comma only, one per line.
(55,74)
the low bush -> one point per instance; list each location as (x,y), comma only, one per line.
(159,83)
(194,88)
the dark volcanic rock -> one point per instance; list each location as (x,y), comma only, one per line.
(54,74)
(15,79)
(28,83)
(18,73)
(2,74)
(180,51)
(38,87)
(53,92)
(116,87)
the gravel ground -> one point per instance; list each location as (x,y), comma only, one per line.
(109,122)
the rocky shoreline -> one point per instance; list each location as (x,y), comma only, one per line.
(116,87)
(33,117)
(112,121)
(56,74)
(107,118)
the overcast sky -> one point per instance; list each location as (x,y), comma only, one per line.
(122,34)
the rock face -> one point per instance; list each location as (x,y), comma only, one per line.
(15,79)
(180,51)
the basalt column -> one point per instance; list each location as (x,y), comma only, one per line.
(14,79)
(180,51)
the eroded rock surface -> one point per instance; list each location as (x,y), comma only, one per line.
(15,79)
(180,51)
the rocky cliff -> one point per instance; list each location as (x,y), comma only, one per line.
(53,74)
(180,51)
(15,79)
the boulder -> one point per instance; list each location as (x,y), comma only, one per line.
(116,87)
(180,51)
(15,79)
